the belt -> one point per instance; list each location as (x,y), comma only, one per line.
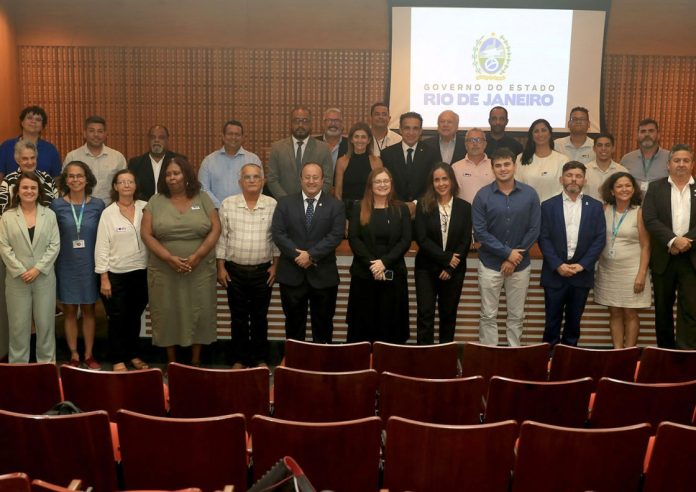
(249,268)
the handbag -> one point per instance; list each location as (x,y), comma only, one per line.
(284,476)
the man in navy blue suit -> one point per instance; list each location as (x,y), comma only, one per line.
(573,234)
(307,227)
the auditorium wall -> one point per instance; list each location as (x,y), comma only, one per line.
(191,65)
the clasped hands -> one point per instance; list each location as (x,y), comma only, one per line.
(303,259)
(569,269)
(508,266)
(680,245)
(183,265)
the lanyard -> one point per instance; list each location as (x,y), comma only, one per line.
(615,226)
(78,221)
(646,168)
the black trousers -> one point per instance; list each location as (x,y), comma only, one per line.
(322,302)
(249,296)
(447,293)
(124,310)
(677,282)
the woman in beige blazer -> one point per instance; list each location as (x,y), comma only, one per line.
(29,245)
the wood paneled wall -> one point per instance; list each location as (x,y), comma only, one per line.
(194,90)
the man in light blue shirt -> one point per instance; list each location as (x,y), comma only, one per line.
(507,216)
(219,172)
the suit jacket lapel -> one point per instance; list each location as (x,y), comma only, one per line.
(40,222)
(23,225)
(692,219)
(560,217)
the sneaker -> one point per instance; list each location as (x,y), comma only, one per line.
(92,364)
(73,363)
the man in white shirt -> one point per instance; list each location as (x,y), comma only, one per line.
(602,167)
(102,160)
(577,146)
(382,136)
(573,234)
(246,266)
(669,213)
(147,167)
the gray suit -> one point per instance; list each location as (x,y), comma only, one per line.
(39,297)
(283,174)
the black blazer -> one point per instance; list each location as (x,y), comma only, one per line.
(320,240)
(410,183)
(362,242)
(141,167)
(459,148)
(657,216)
(431,256)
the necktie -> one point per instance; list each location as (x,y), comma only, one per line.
(298,155)
(310,211)
(409,158)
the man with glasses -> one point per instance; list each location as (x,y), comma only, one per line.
(577,146)
(246,266)
(219,172)
(290,154)
(474,170)
(332,125)
(104,161)
(507,219)
(32,121)
(147,167)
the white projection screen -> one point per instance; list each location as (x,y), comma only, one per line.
(536,62)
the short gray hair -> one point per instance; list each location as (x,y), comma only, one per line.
(334,110)
(260,168)
(24,144)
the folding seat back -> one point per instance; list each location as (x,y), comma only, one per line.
(574,363)
(658,365)
(422,456)
(338,456)
(528,362)
(558,402)
(195,392)
(438,401)
(310,396)
(551,458)
(169,453)
(418,361)
(671,465)
(59,449)
(29,388)
(343,357)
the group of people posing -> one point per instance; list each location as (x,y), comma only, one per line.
(154,230)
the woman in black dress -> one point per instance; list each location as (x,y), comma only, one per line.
(379,235)
(443,234)
(353,168)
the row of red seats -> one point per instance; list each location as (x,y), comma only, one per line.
(166,453)
(323,396)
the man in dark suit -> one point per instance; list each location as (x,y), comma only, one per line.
(147,167)
(669,213)
(307,227)
(290,154)
(447,146)
(409,161)
(573,234)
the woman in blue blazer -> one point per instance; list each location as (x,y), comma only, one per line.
(443,233)
(29,245)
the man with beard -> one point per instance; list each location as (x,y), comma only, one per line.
(649,162)
(290,154)
(573,234)
(219,172)
(497,138)
(332,124)
(146,168)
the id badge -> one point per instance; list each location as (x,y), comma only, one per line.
(78,243)
(644,186)
(611,254)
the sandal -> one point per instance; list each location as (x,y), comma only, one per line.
(119,367)
(139,365)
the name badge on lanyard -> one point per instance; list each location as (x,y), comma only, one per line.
(78,243)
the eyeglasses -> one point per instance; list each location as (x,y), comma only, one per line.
(381,181)
(578,120)
(301,121)
(126,182)
(76,176)
(475,140)
(332,120)
(251,177)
